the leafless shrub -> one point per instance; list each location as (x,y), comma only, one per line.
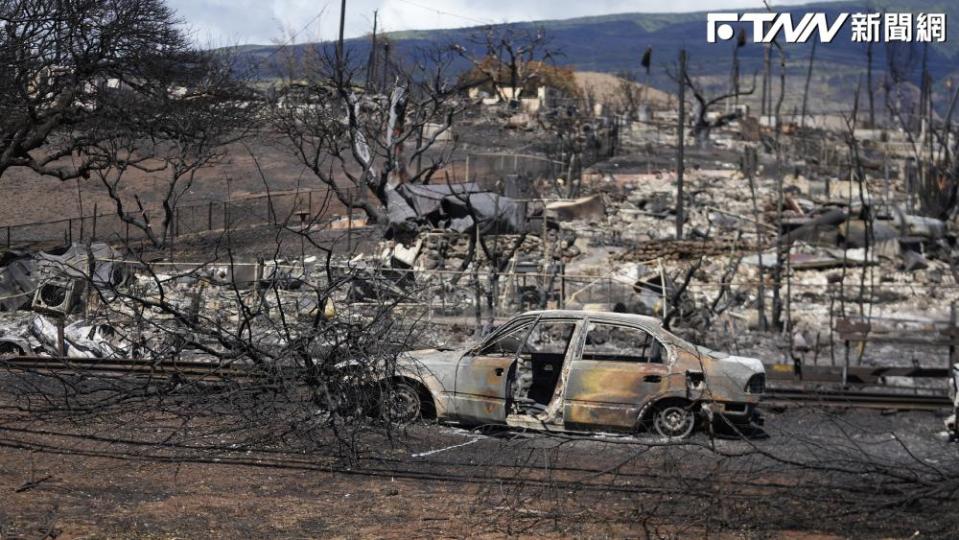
(368,141)
(64,64)
(268,352)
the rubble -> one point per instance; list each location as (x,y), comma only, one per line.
(589,208)
(912,261)
(601,234)
(17,282)
(456,206)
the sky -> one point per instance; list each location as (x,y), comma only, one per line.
(235,22)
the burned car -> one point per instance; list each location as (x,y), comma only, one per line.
(578,371)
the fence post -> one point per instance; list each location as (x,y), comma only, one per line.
(8,237)
(831,288)
(209,217)
(562,286)
(70,230)
(93,233)
(952,337)
(127,232)
(349,225)
(609,292)
(309,204)
(61,342)
(226,215)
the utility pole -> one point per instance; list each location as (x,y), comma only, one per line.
(734,85)
(371,68)
(386,64)
(767,85)
(869,85)
(680,144)
(339,43)
(805,94)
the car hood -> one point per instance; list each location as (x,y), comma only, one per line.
(434,356)
(439,363)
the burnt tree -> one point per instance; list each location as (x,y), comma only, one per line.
(359,143)
(61,59)
(705,122)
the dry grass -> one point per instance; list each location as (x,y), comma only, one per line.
(606,87)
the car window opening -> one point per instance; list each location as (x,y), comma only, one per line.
(540,364)
(614,343)
(508,343)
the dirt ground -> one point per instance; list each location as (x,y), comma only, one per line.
(65,479)
(26,197)
(92,497)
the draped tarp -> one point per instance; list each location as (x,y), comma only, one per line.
(426,199)
(457,207)
(496,214)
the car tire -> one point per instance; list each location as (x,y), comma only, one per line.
(11,349)
(401,404)
(674,420)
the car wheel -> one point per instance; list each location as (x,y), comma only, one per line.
(674,421)
(11,349)
(401,404)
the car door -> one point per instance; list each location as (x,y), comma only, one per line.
(482,374)
(619,368)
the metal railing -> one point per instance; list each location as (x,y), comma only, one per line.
(486,169)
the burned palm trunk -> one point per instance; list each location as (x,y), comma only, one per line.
(805,94)
(781,248)
(749,164)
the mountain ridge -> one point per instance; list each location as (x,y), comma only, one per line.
(615,43)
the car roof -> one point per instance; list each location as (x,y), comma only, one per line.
(604,315)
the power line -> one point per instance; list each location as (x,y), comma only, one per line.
(286,43)
(449,14)
(292,39)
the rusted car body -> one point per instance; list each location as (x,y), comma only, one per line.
(579,371)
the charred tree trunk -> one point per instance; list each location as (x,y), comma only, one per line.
(680,144)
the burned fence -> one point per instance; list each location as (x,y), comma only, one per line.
(498,172)
(518,176)
(104,224)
